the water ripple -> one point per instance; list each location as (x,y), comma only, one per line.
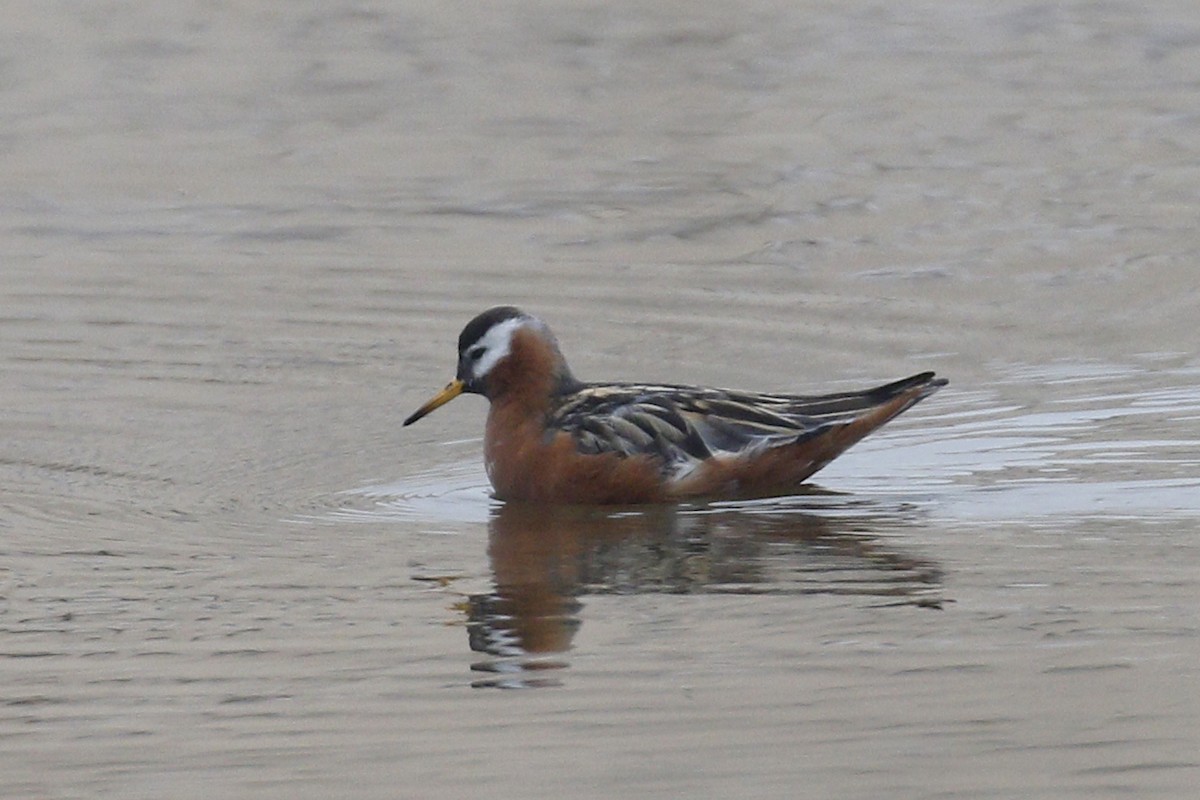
(1116,441)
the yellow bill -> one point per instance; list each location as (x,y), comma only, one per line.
(452,390)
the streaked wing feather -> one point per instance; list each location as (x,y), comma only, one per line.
(682,426)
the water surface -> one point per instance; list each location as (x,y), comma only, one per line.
(240,244)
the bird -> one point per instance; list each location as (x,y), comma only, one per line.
(551,438)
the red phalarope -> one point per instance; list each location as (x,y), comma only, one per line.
(553,438)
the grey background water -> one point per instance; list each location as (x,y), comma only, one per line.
(239,241)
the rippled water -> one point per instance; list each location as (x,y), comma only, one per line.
(240,243)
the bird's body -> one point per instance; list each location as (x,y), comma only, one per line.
(552,438)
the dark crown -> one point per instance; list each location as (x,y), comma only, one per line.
(477,327)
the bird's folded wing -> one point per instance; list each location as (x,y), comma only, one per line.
(682,426)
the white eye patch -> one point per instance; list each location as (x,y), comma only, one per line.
(496,344)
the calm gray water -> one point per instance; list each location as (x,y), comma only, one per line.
(239,242)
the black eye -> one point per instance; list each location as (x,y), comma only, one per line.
(474,352)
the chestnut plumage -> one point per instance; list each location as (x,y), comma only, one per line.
(552,438)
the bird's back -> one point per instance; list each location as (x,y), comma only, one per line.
(686,427)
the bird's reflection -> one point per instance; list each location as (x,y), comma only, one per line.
(544,558)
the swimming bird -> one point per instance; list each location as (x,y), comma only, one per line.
(553,438)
